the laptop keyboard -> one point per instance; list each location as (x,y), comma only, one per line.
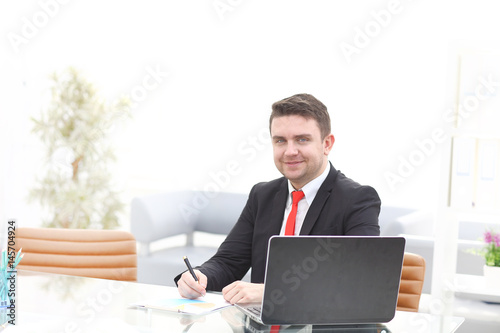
(256,310)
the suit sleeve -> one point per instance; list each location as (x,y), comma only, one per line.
(361,218)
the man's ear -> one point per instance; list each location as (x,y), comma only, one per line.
(328,143)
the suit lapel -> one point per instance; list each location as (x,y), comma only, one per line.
(320,199)
(279,203)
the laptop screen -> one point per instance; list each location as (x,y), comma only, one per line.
(332,280)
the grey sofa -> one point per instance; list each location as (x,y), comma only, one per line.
(195,214)
(191,214)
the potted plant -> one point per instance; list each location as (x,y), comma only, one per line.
(491,253)
(77,188)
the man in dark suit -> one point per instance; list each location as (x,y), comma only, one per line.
(332,204)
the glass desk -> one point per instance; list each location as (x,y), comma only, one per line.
(60,303)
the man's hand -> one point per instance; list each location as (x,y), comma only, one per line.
(243,292)
(189,288)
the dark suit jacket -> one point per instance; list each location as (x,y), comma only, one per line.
(341,207)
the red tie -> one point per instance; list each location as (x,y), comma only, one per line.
(274,329)
(290,222)
(290,231)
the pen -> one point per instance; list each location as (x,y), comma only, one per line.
(186,260)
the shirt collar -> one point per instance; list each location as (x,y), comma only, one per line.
(310,189)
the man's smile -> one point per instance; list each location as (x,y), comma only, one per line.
(293,163)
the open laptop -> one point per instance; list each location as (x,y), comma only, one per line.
(329,280)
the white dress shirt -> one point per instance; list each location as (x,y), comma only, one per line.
(310,190)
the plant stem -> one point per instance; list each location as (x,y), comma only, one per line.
(75,168)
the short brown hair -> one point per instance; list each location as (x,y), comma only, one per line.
(304,105)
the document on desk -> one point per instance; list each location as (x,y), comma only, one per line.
(208,303)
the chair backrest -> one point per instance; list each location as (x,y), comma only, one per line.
(412,281)
(105,254)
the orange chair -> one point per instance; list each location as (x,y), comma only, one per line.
(412,281)
(105,254)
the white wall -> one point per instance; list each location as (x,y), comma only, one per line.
(224,72)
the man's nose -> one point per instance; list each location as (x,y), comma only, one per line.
(291,149)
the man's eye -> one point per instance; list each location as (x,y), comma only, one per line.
(302,140)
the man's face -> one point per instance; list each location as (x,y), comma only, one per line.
(300,153)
